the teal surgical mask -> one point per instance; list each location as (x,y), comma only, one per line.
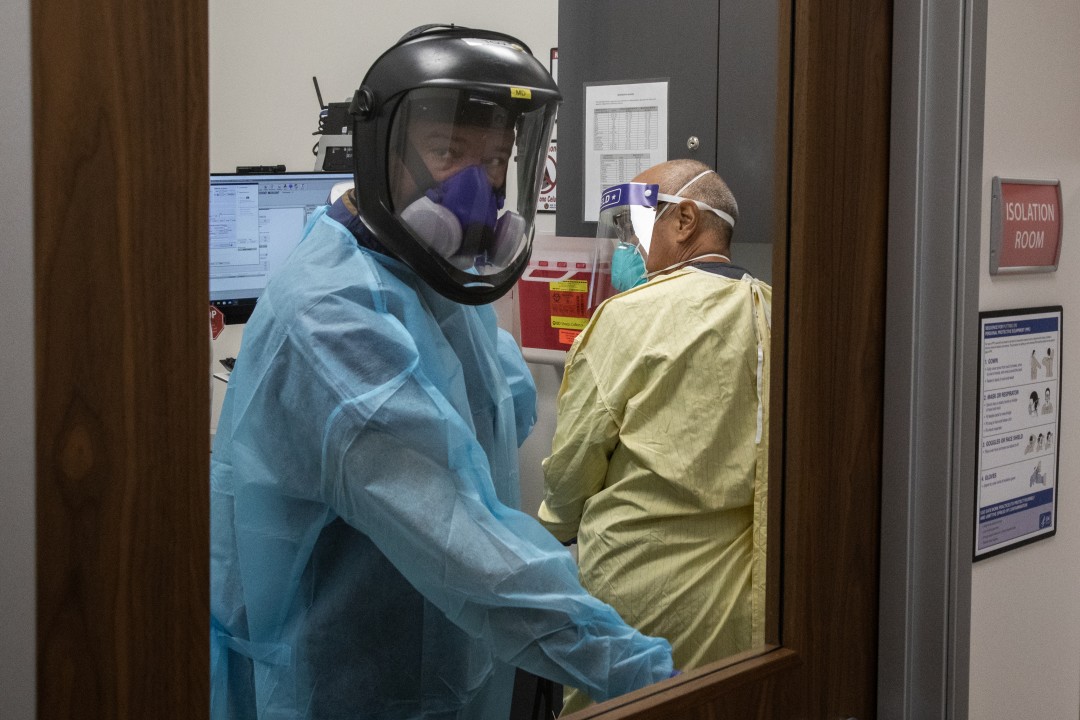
(627,267)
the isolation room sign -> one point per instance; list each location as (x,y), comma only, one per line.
(1025,226)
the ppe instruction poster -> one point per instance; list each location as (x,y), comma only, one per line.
(1019,428)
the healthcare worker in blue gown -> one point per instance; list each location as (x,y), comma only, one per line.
(368,559)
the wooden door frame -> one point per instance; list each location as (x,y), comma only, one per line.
(121,168)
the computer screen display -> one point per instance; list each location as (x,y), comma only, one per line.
(255,222)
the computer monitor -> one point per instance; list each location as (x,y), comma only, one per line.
(255,222)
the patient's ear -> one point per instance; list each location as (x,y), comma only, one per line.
(686,221)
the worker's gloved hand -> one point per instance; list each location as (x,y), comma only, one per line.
(674,673)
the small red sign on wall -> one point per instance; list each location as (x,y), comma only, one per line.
(1025,226)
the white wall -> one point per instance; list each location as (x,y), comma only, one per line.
(1025,611)
(263,54)
(17,658)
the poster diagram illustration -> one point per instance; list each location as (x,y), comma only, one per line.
(1019,399)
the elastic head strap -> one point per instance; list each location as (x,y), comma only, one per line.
(677,197)
(673,199)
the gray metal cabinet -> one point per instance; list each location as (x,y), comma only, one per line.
(721,62)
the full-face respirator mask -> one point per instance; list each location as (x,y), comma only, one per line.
(450,137)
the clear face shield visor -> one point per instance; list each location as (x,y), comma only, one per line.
(627,216)
(464,176)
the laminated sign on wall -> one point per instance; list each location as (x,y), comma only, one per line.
(1019,428)
(1025,226)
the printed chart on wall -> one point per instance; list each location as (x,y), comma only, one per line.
(625,134)
(1019,428)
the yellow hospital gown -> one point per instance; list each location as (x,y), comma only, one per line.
(659,461)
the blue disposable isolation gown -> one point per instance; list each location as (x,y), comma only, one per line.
(367,559)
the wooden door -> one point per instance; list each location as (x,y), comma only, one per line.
(828,333)
(121,176)
(120,113)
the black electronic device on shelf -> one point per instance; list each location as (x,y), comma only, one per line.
(333,151)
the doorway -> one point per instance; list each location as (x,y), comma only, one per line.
(120,108)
